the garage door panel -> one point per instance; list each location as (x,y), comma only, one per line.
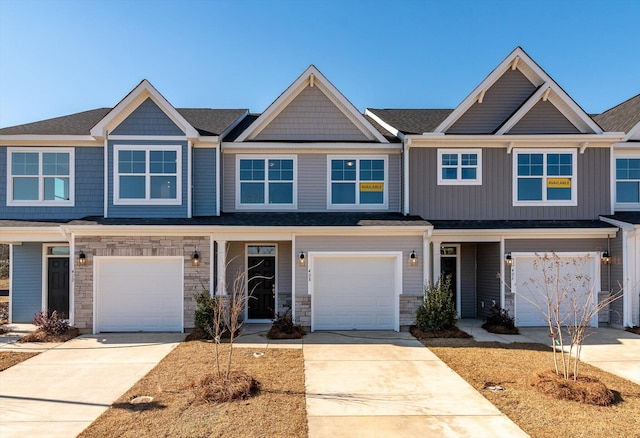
(139,294)
(357,292)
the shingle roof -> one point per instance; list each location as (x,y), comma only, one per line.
(516,224)
(630,217)
(412,121)
(622,117)
(206,120)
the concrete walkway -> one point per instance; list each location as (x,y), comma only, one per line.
(64,389)
(612,350)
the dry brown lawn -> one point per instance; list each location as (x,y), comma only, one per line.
(4,283)
(277,411)
(511,365)
(11,358)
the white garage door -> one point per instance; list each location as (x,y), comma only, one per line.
(354,292)
(528,284)
(138,294)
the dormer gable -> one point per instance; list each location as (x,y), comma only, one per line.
(518,97)
(143,104)
(311,109)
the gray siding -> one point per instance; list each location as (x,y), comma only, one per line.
(467,280)
(148,211)
(89,189)
(617,279)
(312,182)
(311,116)
(493,200)
(147,119)
(488,285)
(411,275)
(500,101)
(204,181)
(544,118)
(26,282)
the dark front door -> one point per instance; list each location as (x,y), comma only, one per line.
(448,267)
(261,275)
(58,285)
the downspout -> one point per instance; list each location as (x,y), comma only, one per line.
(218,191)
(406,145)
(189,179)
(105,212)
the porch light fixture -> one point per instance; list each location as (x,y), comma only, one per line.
(195,259)
(413,259)
(508,260)
(605,258)
(82,258)
(302,261)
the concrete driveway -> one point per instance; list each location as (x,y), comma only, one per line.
(387,384)
(63,390)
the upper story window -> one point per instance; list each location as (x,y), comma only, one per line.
(545,177)
(460,167)
(628,183)
(40,177)
(147,175)
(266,181)
(357,182)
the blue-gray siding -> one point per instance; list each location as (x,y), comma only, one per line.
(26,282)
(544,118)
(500,101)
(493,200)
(148,211)
(204,181)
(89,190)
(488,263)
(147,119)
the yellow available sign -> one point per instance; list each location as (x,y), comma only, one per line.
(559,183)
(371,187)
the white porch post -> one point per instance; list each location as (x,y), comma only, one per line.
(221,261)
(436,259)
(426,263)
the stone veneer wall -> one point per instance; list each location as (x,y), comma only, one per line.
(303,311)
(138,246)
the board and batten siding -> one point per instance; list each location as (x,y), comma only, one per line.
(204,181)
(89,190)
(544,118)
(500,101)
(147,211)
(26,282)
(467,280)
(312,182)
(493,200)
(311,116)
(616,312)
(147,119)
(411,275)
(488,263)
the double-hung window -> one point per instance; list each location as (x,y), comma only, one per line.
(359,182)
(147,175)
(266,181)
(628,183)
(40,177)
(545,177)
(460,167)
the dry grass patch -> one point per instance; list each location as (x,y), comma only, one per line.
(277,410)
(4,284)
(512,365)
(11,358)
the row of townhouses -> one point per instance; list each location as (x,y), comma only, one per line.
(118,216)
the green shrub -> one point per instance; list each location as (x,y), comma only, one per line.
(437,312)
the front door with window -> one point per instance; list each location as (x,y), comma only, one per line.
(58,285)
(449,267)
(261,281)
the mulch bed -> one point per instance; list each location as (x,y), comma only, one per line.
(635,330)
(583,389)
(500,329)
(451,332)
(295,332)
(41,336)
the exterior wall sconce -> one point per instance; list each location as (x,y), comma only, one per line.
(302,261)
(82,258)
(413,259)
(195,259)
(508,260)
(605,258)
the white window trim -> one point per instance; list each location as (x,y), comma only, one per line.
(41,202)
(623,206)
(459,181)
(265,205)
(147,200)
(357,205)
(546,203)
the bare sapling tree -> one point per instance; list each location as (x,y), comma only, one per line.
(564,292)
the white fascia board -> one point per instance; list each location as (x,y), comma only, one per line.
(632,132)
(235,123)
(321,147)
(206,142)
(519,140)
(32,234)
(625,226)
(384,124)
(125,107)
(49,140)
(470,235)
(328,89)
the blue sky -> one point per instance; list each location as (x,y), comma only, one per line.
(59,57)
